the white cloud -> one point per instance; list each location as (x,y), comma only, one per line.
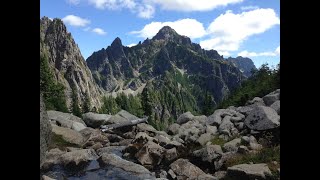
(188,27)
(245,8)
(99,31)
(113,4)
(193,5)
(278,50)
(73,2)
(50,18)
(73,20)
(146,11)
(254,54)
(130,45)
(229,30)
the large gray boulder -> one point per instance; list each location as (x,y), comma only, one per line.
(185,117)
(183,169)
(249,171)
(209,153)
(262,118)
(150,154)
(271,97)
(219,114)
(117,119)
(45,131)
(232,145)
(66,120)
(126,115)
(204,138)
(276,106)
(69,135)
(143,127)
(78,157)
(95,120)
(133,170)
(173,129)
(117,150)
(256,101)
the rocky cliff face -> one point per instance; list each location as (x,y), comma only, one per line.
(67,63)
(244,64)
(45,131)
(167,62)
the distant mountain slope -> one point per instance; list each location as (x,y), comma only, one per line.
(177,73)
(244,64)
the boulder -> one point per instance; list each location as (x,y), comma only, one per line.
(216,117)
(243,150)
(117,119)
(220,174)
(173,129)
(226,126)
(172,174)
(211,129)
(171,154)
(67,120)
(143,127)
(47,178)
(45,131)
(255,146)
(209,153)
(95,120)
(150,154)
(276,106)
(201,119)
(232,145)
(163,174)
(163,141)
(94,137)
(256,101)
(117,150)
(262,118)
(183,169)
(225,156)
(249,171)
(52,158)
(271,98)
(206,177)
(69,135)
(245,110)
(185,117)
(204,138)
(133,170)
(143,138)
(77,157)
(126,115)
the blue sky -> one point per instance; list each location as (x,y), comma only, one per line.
(250,28)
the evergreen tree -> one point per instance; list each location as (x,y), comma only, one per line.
(86,104)
(75,104)
(53,92)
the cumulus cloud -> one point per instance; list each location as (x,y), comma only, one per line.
(245,8)
(188,27)
(73,20)
(113,4)
(192,5)
(147,11)
(229,30)
(278,50)
(73,2)
(254,54)
(99,31)
(130,45)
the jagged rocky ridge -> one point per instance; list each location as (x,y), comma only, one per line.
(188,149)
(169,64)
(67,63)
(244,64)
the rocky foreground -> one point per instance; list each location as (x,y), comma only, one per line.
(195,147)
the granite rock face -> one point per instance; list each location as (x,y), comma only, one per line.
(67,63)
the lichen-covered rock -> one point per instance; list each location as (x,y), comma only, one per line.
(262,118)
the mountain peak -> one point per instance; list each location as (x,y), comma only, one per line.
(116,42)
(166,33)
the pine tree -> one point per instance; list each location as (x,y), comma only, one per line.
(86,104)
(75,104)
